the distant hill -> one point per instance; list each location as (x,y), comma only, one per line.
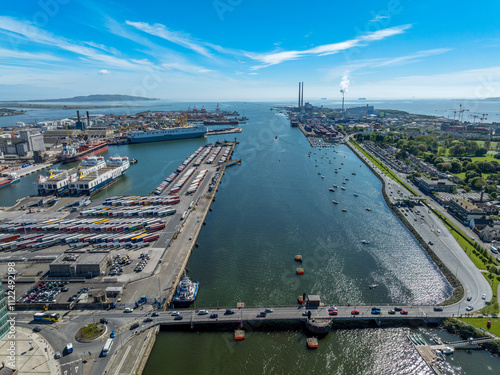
(497,98)
(93,98)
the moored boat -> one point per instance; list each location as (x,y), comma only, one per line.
(186,292)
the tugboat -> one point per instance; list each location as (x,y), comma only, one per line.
(186,291)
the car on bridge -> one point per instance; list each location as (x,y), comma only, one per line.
(438,308)
(229,312)
(262,314)
(174,313)
(404,312)
(203,312)
(134,326)
(470,308)
(155,314)
(214,316)
(147,320)
(128,310)
(392,312)
(269,310)
(305,313)
(376,312)
(398,308)
(333,312)
(178,317)
(355,312)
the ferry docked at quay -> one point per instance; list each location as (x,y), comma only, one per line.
(186,292)
(91,176)
(167,134)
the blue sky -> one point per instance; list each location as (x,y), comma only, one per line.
(256,50)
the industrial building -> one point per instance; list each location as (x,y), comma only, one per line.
(79,265)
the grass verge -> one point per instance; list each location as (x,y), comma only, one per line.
(492,308)
(481,323)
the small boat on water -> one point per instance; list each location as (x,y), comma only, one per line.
(332,190)
(368,209)
(355,194)
(298,258)
(335,202)
(343,188)
(448,350)
(319,172)
(365,242)
(300,271)
(354,173)
(336,171)
(312,342)
(322,176)
(335,186)
(343,182)
(373,286)
(344,210)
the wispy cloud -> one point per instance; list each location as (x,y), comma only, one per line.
(186,68)
(356,65)
(179,38)
(104,71)
(27,31)
(12,54)
(268,59)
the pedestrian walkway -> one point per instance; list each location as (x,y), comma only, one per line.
(32,354)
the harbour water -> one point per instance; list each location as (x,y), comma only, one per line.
(276,205)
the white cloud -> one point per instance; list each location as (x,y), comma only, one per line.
(268,59)
(356,65)
(104,71)
(176,37)
(186,68)
(27,31)
(12,54)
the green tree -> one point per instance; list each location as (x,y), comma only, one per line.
(481,151)
(471,147)
(491,188)
(456,166)
(442,151)
(477,183)
(494,195)
(444,167)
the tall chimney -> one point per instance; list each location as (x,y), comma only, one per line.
(78,115)
(88,120)
(302,100)
(299,94)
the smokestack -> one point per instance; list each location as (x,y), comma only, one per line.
(302,101)
(88,120)
(342,102)
(78,115)
(299,93)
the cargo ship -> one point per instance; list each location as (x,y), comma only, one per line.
(70,154)
(186,292)
(100,179)
(220,122)
(166,134)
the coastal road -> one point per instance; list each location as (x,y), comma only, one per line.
(445,246)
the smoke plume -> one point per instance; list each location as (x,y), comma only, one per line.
(344,84)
